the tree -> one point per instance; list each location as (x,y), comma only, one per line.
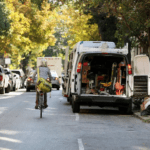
(32,31)
(76,25)
(133,20)
(4,20)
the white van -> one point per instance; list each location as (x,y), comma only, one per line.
(98,74)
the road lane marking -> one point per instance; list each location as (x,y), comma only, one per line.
(9,132)
(77,116)
(10,140)
(81,147)
(1,148)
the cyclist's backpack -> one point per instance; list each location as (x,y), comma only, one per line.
(42,84)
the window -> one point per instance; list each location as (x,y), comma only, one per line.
(17,72)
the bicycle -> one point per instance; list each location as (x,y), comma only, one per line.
(41,102)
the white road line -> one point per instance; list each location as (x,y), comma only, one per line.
(81,147)
(77,116)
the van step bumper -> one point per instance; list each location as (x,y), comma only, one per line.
(103,99)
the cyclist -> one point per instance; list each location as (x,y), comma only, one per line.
(45,73)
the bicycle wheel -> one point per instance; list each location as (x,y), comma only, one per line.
(41,104)
(41,111)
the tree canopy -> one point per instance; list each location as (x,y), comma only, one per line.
(31,28)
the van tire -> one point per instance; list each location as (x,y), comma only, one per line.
(14,88)
(126,110)
(7,90)
(28,89)
(68,99)
(2,91)
(75,107)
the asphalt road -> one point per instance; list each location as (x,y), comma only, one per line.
(21,127)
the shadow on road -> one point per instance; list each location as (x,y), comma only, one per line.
(102,111)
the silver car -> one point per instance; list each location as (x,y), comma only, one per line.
(55,80)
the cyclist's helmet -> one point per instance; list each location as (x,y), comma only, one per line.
(44,62)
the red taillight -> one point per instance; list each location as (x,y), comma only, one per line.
(41,93)
(129,69)
(65,95)
(29,79)
(1,78)
(79,67)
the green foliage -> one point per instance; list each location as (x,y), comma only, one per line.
(4,20)
(133,19)
(31,32)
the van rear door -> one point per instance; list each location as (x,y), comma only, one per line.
(141,76)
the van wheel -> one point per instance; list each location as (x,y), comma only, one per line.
(14,88)
(126,110)
(28,90)
(68,99)
(7,90)
(2,91)
(75,106)
(58,88)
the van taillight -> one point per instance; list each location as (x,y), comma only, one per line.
(129,69)
(79,67)
(85,64)
(30,79)
(1,78)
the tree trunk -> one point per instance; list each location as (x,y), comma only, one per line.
(25,62)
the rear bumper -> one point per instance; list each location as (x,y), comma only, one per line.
(55,84)
(30,86)
(103,100)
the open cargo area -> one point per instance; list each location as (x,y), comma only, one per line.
(104,74)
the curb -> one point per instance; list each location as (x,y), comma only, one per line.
(145,119)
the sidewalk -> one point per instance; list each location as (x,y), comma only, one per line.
(143,118)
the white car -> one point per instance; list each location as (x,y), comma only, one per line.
(4,82)
(55,80)
(18,81)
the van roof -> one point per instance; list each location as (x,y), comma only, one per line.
(96,44)
(99,46)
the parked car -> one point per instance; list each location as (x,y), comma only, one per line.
(55,80)
(18,81)
(30,84)
(29,74)
(21,74)
(12,80)
(4,82)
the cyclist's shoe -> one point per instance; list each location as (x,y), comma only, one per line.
(36,107)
